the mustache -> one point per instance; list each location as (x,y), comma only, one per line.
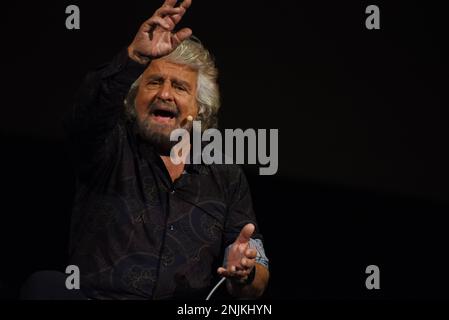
(165,106)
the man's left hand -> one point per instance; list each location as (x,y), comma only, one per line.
(241,258)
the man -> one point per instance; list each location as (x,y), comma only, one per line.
(142,226)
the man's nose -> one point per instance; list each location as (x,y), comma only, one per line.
(165,91)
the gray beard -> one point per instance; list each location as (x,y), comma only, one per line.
(158,139)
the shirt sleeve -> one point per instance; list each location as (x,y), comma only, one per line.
(99,103)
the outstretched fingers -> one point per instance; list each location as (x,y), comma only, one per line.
(186,4)
(166,11)
(227,272)
(172,15)
(246,233)
(155,21)
(233,272)
(181,35)
(176,17)
(169,3)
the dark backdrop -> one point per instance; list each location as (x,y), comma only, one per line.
(362,118)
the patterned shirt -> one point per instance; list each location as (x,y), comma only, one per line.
(135,234)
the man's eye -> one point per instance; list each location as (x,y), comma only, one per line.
(154,82)
(179,87)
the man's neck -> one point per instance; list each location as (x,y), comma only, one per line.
(175,170)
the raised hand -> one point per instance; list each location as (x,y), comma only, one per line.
(156,37)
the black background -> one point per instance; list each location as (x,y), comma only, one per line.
(363,127)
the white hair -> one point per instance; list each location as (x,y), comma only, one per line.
(193,54)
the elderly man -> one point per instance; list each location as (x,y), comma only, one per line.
(142,226)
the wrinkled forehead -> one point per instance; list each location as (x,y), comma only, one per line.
(166,69)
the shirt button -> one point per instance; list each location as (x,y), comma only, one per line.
(172,227)
(172,191)
(167,260)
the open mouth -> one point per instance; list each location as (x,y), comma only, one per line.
(163,114)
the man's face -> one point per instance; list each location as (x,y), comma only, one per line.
(165,98)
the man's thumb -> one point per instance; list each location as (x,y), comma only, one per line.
(246,233)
